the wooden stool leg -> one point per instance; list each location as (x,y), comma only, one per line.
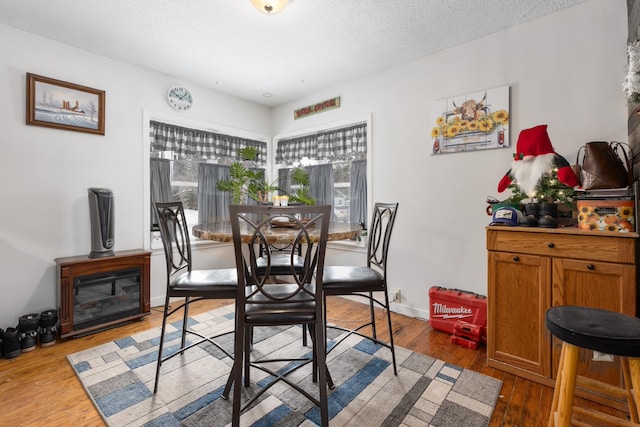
(633,409)
(634,367)
(556,391)
(568,384)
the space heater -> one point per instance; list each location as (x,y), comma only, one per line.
(102,222)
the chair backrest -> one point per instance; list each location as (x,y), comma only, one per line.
(175,236)
(256,231)
(383,218)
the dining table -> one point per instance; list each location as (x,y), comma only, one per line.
(279,233)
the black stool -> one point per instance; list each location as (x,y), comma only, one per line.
(600,330)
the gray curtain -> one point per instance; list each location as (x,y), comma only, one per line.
(358,200)
(213,204)
(284,181)
(160,175)
(321,183)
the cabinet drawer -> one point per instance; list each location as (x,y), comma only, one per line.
(579,246)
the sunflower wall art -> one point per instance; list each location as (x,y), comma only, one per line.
(473,121)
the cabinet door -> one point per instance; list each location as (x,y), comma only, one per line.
(518,296)
(604,285)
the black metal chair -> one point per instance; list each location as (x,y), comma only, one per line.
(185,282)
(367,281)
(599,330)
(260,302)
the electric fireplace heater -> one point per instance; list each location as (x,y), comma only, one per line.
(98,293)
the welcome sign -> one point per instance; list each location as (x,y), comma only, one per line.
(329,104)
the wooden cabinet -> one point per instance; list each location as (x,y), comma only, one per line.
(532,269)
(98,293)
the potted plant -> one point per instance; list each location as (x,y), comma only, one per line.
(258,188)
(240,176)
(300,177)
(246,182)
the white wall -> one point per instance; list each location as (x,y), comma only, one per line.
(564,70)
(46,172)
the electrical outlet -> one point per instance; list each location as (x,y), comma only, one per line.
(602,357)
(394,295)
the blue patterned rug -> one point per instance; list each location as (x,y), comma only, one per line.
(118,377)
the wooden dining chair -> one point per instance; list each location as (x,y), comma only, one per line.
(367,281)
(262,303)
(186,285)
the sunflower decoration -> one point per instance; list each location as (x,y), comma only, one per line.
(449,126)
(625,212)
(486,125)
(501,117)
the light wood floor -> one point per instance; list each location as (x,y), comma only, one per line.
(39,388)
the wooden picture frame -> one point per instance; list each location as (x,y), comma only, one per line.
(63,105)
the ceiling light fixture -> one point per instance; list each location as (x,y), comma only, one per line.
(270,7)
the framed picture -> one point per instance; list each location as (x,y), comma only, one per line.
(473,121)
(62,105)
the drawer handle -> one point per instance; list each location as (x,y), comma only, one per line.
(551,245)
(591,267)
(516,258)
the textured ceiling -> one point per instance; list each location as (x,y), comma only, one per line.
(231,47)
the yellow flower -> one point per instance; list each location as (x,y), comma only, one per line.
(440,121)
(435,132)
(473,125)
(500,116)
(587,210)
(486,125)
(625,212)
(464,125)
(453,131)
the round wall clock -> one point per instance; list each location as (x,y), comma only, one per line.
(179,98)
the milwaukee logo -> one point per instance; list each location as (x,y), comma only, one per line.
(445,312)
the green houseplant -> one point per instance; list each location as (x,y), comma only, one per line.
(300,177)
(246,182)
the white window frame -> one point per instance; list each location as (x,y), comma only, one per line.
(147,117)
(334,125)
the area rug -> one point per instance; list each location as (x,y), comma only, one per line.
(119,376)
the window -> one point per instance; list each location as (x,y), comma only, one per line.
(186,163)
(336,160)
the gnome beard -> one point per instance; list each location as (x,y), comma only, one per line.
(528,171)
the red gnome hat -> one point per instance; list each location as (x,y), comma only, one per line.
(534,158)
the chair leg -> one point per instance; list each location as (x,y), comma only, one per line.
(373,315)
(314,351)
(556,391)
(634,368)
(567,383)
(626,372)
(393,348)
(319,342)
(247,355)
(161,344)
(238,353)
(304,334)
(185,321)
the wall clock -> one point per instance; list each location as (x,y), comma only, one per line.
(179,98)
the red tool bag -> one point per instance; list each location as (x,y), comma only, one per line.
(461,313)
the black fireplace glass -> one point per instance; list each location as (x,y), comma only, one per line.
(101,298)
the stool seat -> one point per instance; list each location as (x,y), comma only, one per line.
(599,330)
(595,329)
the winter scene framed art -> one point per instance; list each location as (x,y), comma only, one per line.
(472,121)
(63,105)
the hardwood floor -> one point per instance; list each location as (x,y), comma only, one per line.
(39,388)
